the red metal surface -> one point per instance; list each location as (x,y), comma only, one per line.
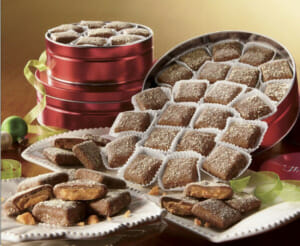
(89,93)
(75,120)
(79,106)
(99,64)
(284,119)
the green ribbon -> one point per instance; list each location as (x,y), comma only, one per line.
(268,187)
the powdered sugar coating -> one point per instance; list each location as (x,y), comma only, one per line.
(60,204)
(133,121)
(224,162)
(201,142)
(213,71)
(176,115)
(277,69)
(101,32)
(154,98)
(276,90)
(119,150)
(179,172)
(118,25)
(245,135)
(256,55)
(212,117)
(174,73)
(124,39)
(189,91)
(252,107)
(244,75)
(161,138)
(79,183)
(195,58)
(226,50)
(244,202)
(137,31)
(222,93)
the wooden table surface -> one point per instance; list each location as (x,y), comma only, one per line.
(172,235)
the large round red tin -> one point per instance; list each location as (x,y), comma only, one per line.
(283,120)
(89,64)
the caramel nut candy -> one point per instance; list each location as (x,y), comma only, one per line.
(213,71)
(48,178)
(64,37)
(277,69)
(109,181)
(97,139)
(195,58)
(208,189)
(92,24)
(256,55)
(124,39)
(133,121)
(26,199)
(227,50)
(59,212)
(154,99)
(118,25)
(112,204)
(178,204)
(80,189)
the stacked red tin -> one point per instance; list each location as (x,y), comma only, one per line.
(88,85)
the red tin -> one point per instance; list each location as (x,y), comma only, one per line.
(283,120)
(89,93)
(81,106)
(99,64)
(75,120)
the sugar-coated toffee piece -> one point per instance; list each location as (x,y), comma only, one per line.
(278,69)
(142,169)
(227,50)
(67,27)
(208,189)
(26,199)
(133,121)
(179,172)
(67,143)
(97,139)
(61,157)
(276,90)
(80,189)
(97,41)
(59,212)
(176,115)
(212,117)
(109,181)
(201,142)
(101,32)
(244,75)
(124,39)
(256,55)
(244,202)
(224,162)
(222,93)
(118,25)
(189,91)
(89,155)
(252,107)
(137,31)
(119,150)
(244,135)
(112,204)
(213,71)
(161,138)
(216,213)
(178,204)
(154,99)
(174,73)
(64,37)
(48,178)
(195,58)
(92,24)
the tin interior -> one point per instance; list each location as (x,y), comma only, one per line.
(275,121)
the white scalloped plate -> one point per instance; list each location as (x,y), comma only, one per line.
(142,211)
(256,223)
